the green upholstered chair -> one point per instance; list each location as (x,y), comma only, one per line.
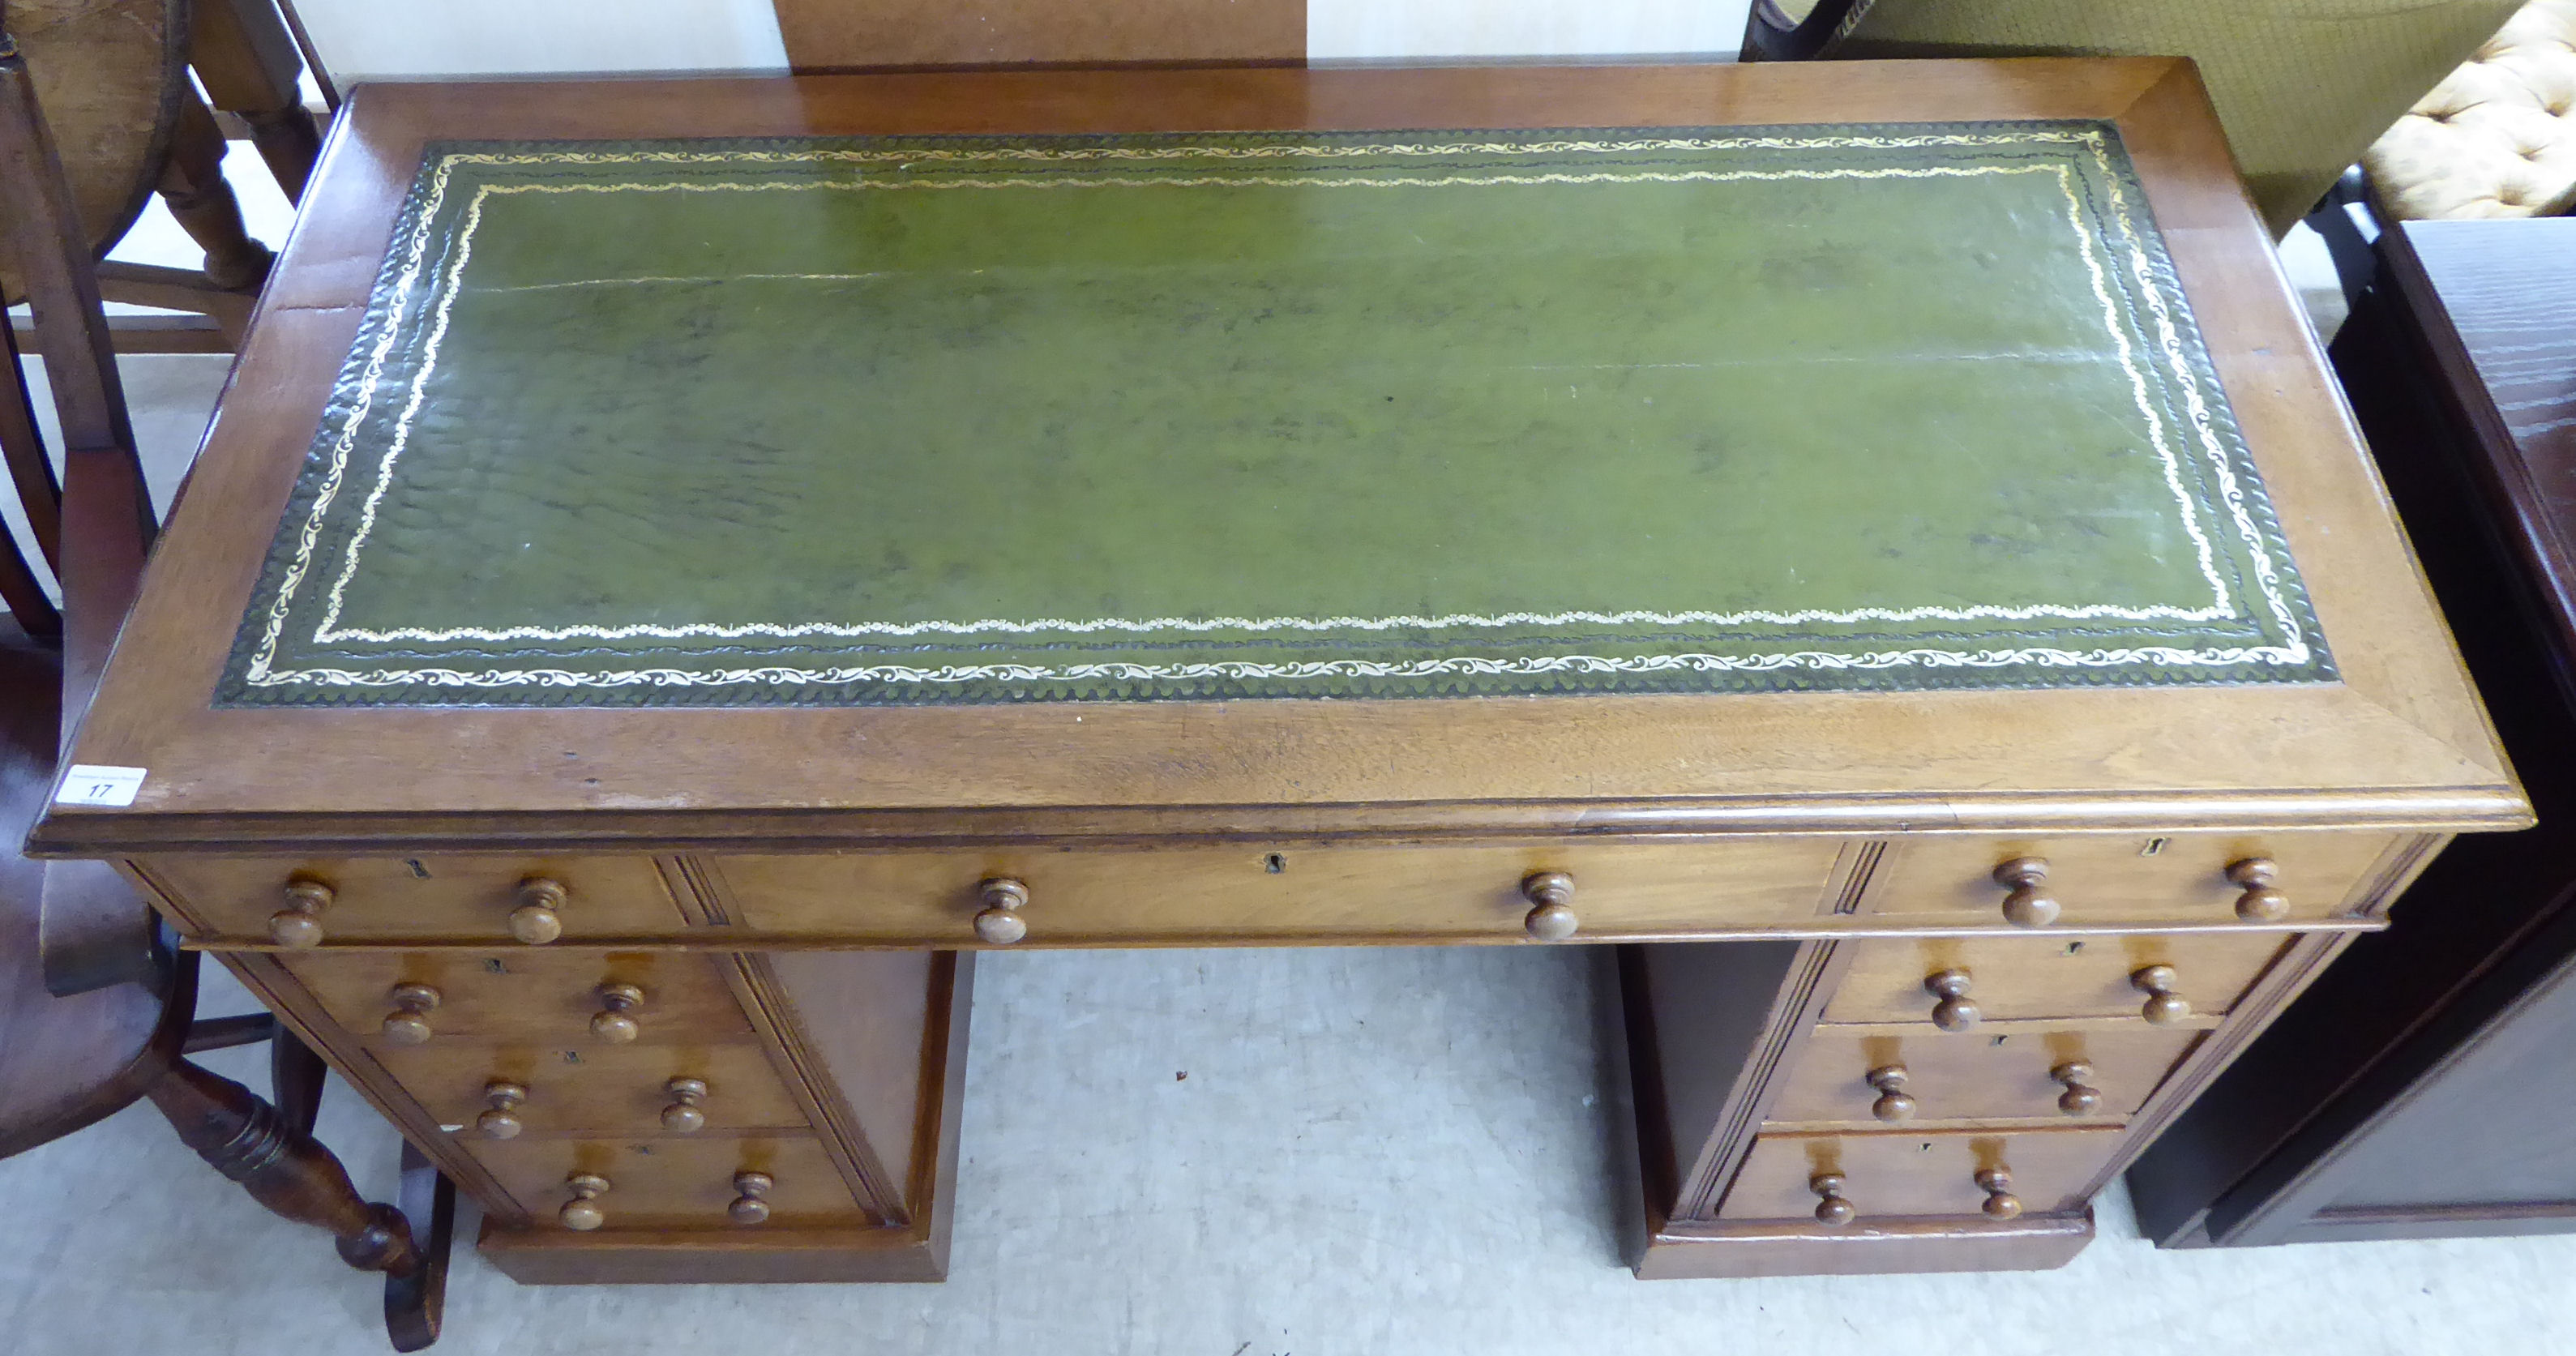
(2302,86)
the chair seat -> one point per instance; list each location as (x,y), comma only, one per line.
(2497,138)
(64,1062)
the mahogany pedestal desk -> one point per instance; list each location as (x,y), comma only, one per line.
(682,566)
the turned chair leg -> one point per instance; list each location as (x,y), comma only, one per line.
(193,185)
(269,1148)
(295,1076)
(246,1139)
(245,54)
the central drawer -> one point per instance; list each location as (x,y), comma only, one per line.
(1431,892)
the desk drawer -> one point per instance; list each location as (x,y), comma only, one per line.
(430,898)
(546,997)
(2113,879)
(2016,977)
(594,1089)
(674,1183)
(1894,1176)
(2001,1072)
(1253,893)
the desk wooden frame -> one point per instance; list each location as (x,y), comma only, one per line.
(2399,746)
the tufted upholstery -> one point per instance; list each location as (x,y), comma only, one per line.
(2301,85)
(2497,138)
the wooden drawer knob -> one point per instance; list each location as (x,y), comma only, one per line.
(2028,905)
(2081,1098)
(1996,1182)
(683,1116)
(1954,1012)
(2164,1007)
(299,924)
(2260,903)
(1000,923)
(538,919)
(582,1211)
(1833,1209)
(503,1097)
(408,1023)
(1551,896)
(751,1199)
(614,1020)
(1892,1104)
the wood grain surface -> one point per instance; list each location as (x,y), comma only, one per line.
(827,35)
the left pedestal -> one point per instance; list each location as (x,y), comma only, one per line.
(660,1115)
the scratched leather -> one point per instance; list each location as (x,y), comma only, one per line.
(1157,417)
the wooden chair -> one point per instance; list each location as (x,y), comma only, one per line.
(114,75)
(97,1009)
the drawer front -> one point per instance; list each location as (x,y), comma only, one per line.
(431,898)
(2110,879)
(2018,977)
(547,996)
(673,1183)
(1271,893)
(1892,1176)
(1994,1074)
(592,1089)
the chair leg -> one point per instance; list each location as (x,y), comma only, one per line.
(193,185)
(22,447)
(294,1078)
(416,1303)
(245,57)
(249,1141)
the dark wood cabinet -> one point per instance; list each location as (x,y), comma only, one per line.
(2426,1085)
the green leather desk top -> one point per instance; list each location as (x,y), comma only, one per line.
(906,420)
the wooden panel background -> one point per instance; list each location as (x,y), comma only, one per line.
(826,35)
